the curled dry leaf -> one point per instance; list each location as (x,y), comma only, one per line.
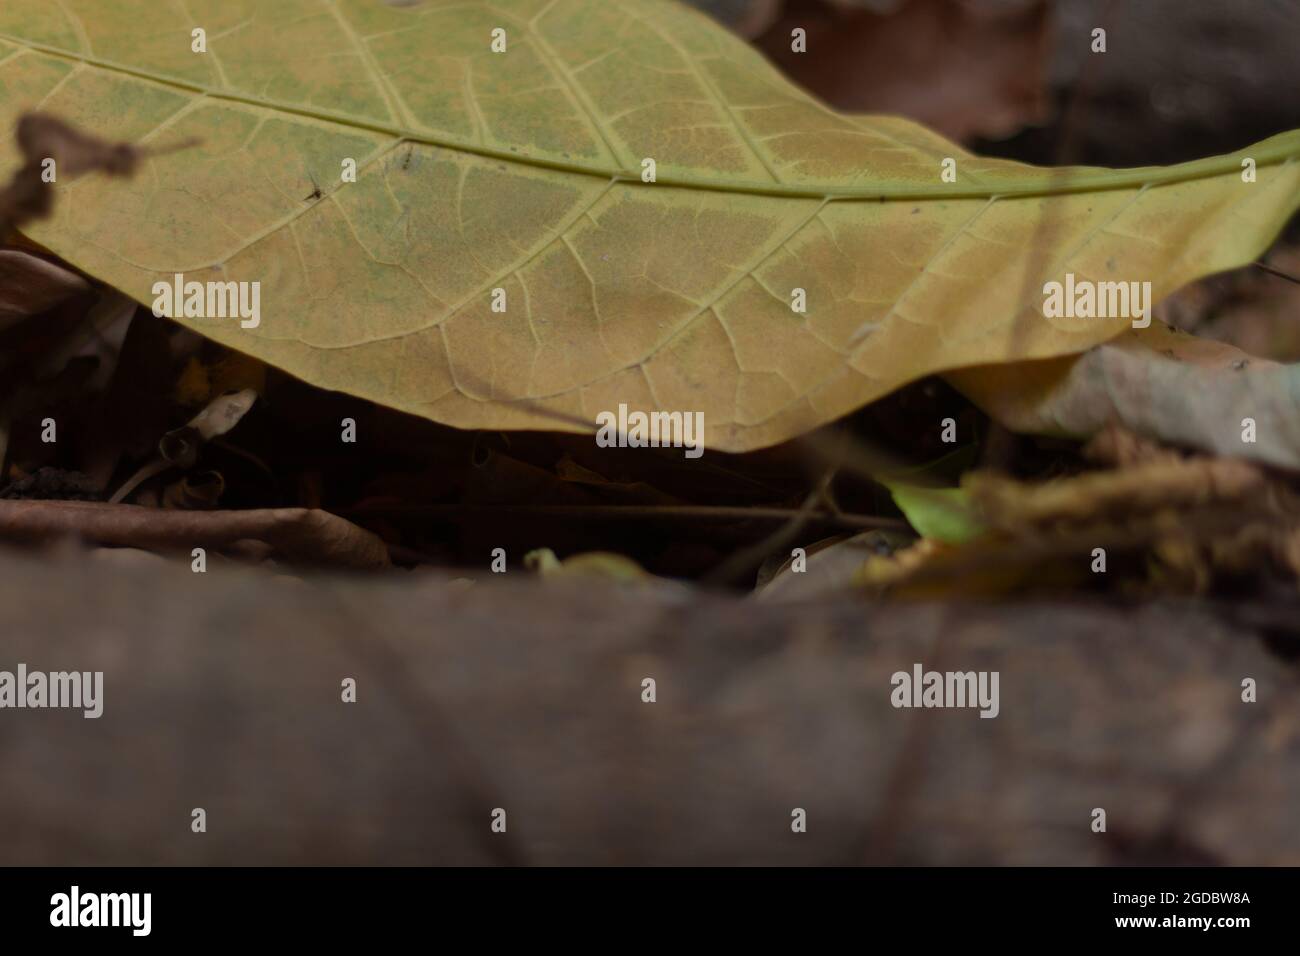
(1159,383)
(222,414)
(179,448)
(833,566)
(669,295)
(299,535)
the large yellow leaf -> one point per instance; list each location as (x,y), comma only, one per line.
(521,171)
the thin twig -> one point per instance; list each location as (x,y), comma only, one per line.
(743,561)
(1276,272)
(621,513)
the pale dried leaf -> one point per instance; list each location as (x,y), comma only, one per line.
(1160,384)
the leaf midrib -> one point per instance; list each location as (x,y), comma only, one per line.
(1280,149)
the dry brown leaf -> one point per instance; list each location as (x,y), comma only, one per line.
(832,566)
(30,285)
(1159,383)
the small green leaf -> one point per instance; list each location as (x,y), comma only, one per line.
(945,514)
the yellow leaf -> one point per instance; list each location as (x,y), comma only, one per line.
(601,564)
(522,171)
